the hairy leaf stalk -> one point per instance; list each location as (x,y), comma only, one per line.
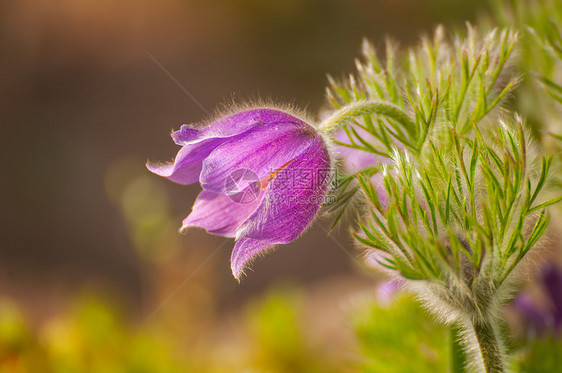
(357,109)
(458,356)
(489,346)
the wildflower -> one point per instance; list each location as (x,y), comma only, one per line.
(386,291)
(545,316)
(264,174)
(355,160)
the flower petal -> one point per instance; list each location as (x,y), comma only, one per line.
(287,207)
(377,180)
(188,163)
(244,250)
(232,125)
(552,282)
(218,214)
(356,159)
(262,151)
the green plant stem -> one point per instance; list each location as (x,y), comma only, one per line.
(356,109)
(489,347)
(458,357)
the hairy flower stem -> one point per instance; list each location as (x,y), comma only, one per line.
(356,109)
(458,356)
(489,347)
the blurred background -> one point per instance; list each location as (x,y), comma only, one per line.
(90,254)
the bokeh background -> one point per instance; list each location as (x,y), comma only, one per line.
(83,106)
(89,248)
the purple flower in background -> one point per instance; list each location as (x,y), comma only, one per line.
(535,317)
(386,291)
(355,160)
(552,281)
(543,316)
(264,175)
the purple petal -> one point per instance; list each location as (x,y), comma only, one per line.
(233,125)
(552,280)
(356,159)
(386,291)
(262,151)
(536,318)
(187,135)
(287,207)
(244,250)
(218,214)
(377,180)
(188,163)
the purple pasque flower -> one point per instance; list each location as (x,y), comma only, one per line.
(355,160)
(264,175)
(544,314)
(552,281)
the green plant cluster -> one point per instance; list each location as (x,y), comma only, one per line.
(462,185)
(458,191)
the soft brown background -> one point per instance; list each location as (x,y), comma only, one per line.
(80,96)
